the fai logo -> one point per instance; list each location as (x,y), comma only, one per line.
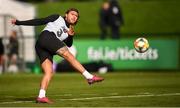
(64,29)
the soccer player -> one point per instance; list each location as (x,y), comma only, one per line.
(54,39)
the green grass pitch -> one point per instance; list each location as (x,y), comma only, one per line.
(119,89)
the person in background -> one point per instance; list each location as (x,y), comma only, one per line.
(104,19)
(13,47)
(1,56)
(115,19)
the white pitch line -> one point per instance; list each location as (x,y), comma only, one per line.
(127,96)
(106,97)
(16,102)
(86,94)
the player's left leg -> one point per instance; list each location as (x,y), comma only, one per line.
(64,52)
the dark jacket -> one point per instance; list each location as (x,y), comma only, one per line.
(115,14)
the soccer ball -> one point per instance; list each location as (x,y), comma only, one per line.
(141,45)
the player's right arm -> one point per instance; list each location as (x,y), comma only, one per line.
(36,22)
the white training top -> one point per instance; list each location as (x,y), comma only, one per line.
(58,27)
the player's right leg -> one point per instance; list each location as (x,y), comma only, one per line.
(64,52)
(48,73)
(47,66)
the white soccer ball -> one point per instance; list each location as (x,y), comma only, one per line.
(141,45)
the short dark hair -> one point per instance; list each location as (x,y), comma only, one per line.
(72,9)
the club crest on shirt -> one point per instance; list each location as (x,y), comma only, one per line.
(64,29)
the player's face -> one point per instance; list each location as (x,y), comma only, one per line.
(72,17)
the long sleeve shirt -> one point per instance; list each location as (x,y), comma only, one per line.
(54,23)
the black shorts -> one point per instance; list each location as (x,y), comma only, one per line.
(47,46)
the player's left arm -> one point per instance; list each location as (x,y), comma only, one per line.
(71,31)
(69,41)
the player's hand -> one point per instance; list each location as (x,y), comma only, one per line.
(13,21)
(71,31)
